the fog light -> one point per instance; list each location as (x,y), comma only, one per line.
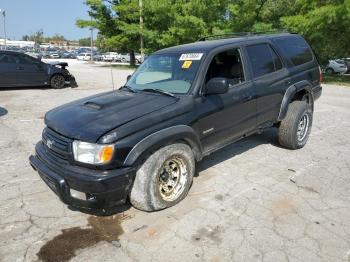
(77,194)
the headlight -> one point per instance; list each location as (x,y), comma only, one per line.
(92,153)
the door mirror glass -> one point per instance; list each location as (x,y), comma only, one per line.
(216,85)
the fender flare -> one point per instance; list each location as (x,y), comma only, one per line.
(163,137)
(289,94)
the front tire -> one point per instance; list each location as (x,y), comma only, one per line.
(57,81)
(164,179)
(295,128)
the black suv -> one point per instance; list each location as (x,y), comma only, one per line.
(183,103)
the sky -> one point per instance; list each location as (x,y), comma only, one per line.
(25,17)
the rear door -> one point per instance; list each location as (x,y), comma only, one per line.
(271,80)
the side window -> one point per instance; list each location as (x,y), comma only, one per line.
(5,58)
(276,60)
(227,64)
(13,59)
(263,59)
(25,59)
(296,49)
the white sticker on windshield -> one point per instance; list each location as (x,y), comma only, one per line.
(191,56)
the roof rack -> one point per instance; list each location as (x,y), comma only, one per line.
(239,34)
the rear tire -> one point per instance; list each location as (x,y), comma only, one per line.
(330,71)
(57,81)
(295,128)
(164,179)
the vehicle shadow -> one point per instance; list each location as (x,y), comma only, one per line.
(33,87)
(3,111)
(269,136)
(115,210)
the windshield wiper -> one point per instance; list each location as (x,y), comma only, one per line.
(129,88)
(159,91)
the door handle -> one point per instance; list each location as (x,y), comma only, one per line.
(20,68)
(247,98)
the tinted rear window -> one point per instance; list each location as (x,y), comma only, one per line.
(296,49)
(263,59)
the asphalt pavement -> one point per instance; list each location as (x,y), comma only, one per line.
(252,201)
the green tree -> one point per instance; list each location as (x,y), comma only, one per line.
(37,37)
(327,29)
(85,41)
(166,22)
(324,23)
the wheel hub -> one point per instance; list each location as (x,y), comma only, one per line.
(303,127)
(172,178)
(165,176)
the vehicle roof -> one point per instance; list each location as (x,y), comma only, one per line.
(206,46)
(10,52)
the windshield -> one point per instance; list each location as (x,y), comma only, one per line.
(172,73)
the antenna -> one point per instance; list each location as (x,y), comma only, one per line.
(112,77)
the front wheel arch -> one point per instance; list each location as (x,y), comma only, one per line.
(55,75)
(181,133)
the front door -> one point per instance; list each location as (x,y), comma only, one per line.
(228,116)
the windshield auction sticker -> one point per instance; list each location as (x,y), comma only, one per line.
(191,56)
(187,64)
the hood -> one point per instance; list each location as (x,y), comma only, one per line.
(90,118)
(57,63)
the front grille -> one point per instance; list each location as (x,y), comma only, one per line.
(58,145)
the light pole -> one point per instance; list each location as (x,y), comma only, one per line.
(4,16)
(141,30)
(92,41)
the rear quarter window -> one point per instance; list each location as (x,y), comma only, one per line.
(295,49)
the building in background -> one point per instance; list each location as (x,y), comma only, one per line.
(15,43)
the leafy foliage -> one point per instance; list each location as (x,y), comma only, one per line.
(85,41)
(39,38)
(324,23)
(327,28)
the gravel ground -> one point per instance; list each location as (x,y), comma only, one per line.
(252,201)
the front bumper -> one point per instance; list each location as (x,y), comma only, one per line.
(70,80)
(103,190)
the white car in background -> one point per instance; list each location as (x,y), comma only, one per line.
(336,66)
(110,57)
(54,55)
(139,58)
(125,58)
(84,57)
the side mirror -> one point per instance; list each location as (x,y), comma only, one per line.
(128,77)
(215,86)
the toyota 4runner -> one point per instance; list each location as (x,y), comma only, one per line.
(140,143)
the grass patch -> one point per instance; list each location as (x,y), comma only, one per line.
(337,79)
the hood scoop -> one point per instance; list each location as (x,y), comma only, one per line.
(92,105)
